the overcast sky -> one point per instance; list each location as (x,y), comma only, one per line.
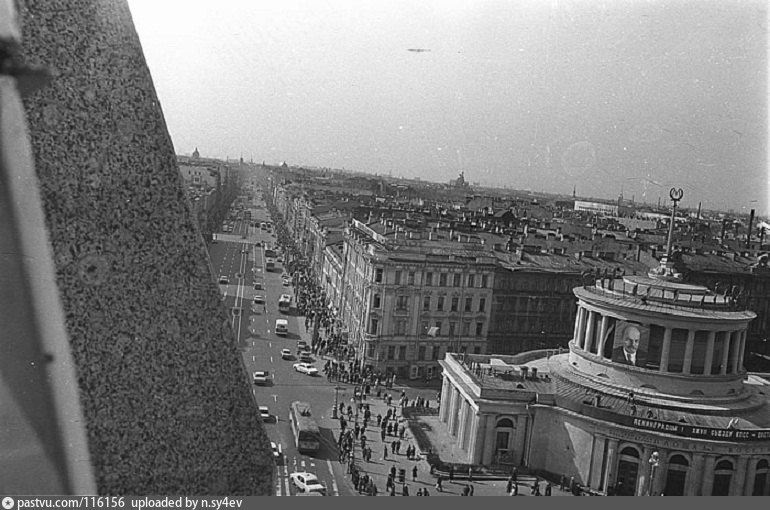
(607,96)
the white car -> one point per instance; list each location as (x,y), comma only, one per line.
(286,354)
(305,368)
(259,299)
(277,454)
(264,413)
(224,280)
(260,377)
(307,482)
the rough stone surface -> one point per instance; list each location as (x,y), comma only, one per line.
(168,407)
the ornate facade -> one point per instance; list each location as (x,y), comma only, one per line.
(651,398)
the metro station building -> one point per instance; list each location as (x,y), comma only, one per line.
(674,413)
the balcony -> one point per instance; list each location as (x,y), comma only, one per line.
(370,337)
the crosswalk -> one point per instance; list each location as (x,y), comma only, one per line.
(294,464)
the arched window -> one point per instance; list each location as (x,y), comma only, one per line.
(505,432)
(676,476)
(628,472)
(723,476)
(761,479)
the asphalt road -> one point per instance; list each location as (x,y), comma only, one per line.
(234,257)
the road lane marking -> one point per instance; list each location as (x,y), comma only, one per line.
(335,490)
(286,478)
(271,359)
(275,398)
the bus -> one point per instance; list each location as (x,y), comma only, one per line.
(307,436)
(269,265)
(284,303)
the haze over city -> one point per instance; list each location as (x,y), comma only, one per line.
(608,97)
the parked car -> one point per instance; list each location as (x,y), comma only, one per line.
(305,368)
(286,354)
(307,482)
(224,280)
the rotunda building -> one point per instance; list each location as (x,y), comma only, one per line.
(653,398)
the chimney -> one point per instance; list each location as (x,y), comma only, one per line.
(699,204)
(638,252)
(748,234)
(722,237)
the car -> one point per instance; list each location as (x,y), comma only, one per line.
(286,283)
(260,377)
(305,368)
(305,357)
(224,279)
(257,285)
(264,413)
(277,453)
(307,482)
(259,299)
(302,345)
(286,354)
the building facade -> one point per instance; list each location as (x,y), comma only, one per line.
(651,398)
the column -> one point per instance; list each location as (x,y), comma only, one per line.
(643,481)
(520,438)
(610,468)
(489,441)
(480,439)
(736,345)
(453,422)
(688,348)
(474,427)
(443,411)
(581,327)
(739,476)
(665,353)
(694,479)
(709,355)
(577,323)
(461,422)
(602,335)
(743,349)
(751,472)
(725,352)
(708,475)
(589,338)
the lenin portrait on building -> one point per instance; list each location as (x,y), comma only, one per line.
(630,344)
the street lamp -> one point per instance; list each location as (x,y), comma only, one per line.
(654,461)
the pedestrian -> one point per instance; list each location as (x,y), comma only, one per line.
(509,485)
(425,492)
(563,482)
(548,489)
(466,490)
(382,435)
(419,492)
(414,473)
(439,486)
(379,419)
(515,491)
(405,490)
(470,474)
(451,473)
(385,453)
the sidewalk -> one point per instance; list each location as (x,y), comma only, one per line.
(379,467)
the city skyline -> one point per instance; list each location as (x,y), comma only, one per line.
(634,97)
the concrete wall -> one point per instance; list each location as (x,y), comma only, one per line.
(167,403)
(566,448)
